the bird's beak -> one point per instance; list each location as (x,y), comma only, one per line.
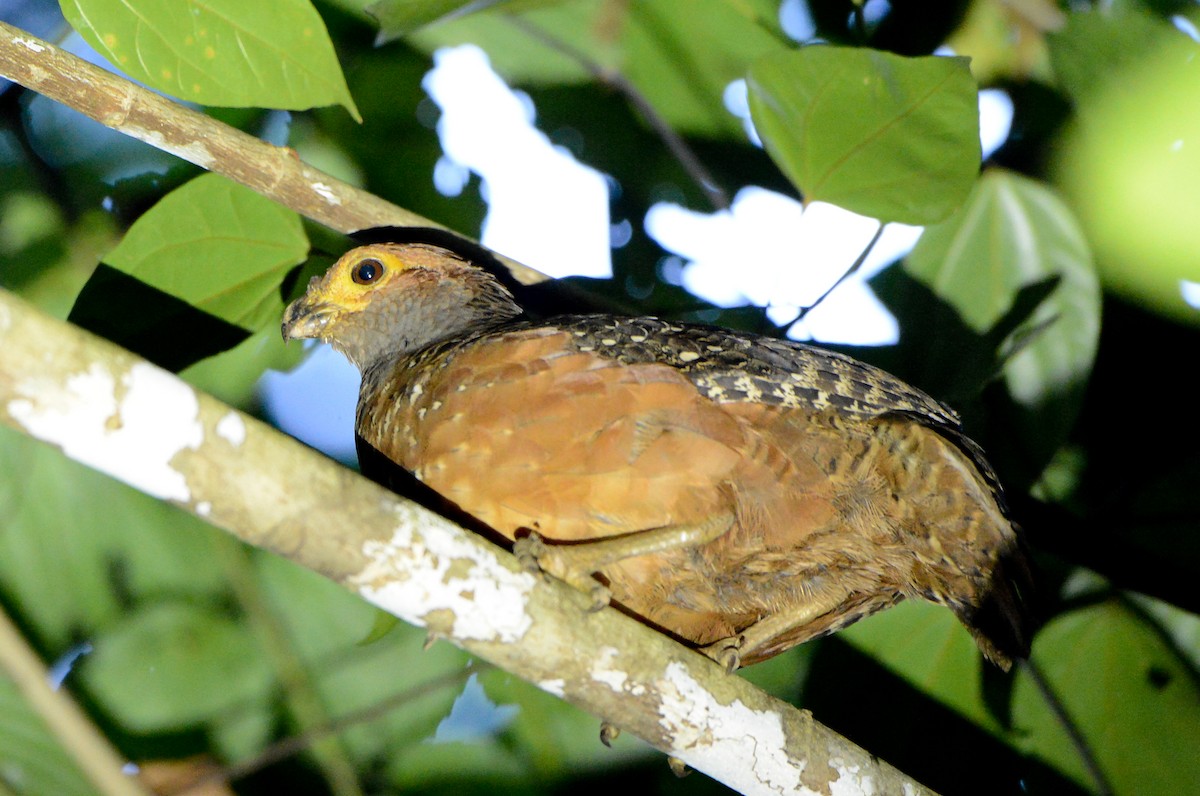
(305,318)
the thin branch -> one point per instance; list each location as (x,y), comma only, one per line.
(77,735)
(674,142)
(275,172)
(300,691)
(283,749)
(853,269)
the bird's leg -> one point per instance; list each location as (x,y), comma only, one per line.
(577,563)
(729,651)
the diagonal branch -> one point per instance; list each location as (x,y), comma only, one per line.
(276,172)
(79,393)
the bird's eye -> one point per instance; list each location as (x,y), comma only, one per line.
(367,272)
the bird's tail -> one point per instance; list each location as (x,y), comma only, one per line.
(1001,620)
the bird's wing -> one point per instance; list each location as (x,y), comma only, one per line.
(729,366)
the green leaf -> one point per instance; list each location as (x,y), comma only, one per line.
(680,57)
(1013,232)
(218,246)
(886,136)
(455,766)
(1134,701)
(1130,167)
(400,17)
(926,646)
(68,565)
(402,686)
(172,665)
(232,376)
(1095,45)
(219,52)
(516,54)
(683,56)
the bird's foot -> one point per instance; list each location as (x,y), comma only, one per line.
(529,551)
(567,563)
(726,651)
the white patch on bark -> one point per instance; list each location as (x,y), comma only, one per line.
(194,151)
(605,671)
(29,44)
(131,433)
(487,601)
(556,687)
(742,747)
(850,781)
(231,429)
(326,192)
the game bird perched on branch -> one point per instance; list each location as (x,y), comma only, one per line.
(742,493)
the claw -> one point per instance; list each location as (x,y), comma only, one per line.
(678,767)
(529,551)
(726,651)
(609,733)
(601,596)
(536,556)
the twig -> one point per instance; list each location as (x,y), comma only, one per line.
(285,748)
(674,142)
(849,273)
(99,762)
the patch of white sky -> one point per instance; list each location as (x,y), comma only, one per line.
(550,211)
(545,208)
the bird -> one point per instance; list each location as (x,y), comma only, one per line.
(738,492)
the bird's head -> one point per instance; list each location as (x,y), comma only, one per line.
(389,299)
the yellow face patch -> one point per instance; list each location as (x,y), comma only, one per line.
(352,280)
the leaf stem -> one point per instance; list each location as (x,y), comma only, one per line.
(294,744)
(674,142)
(857,264)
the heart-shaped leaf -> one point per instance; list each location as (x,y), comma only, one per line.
(886,136)
(219,52)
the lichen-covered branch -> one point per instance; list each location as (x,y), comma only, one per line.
(107,408)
